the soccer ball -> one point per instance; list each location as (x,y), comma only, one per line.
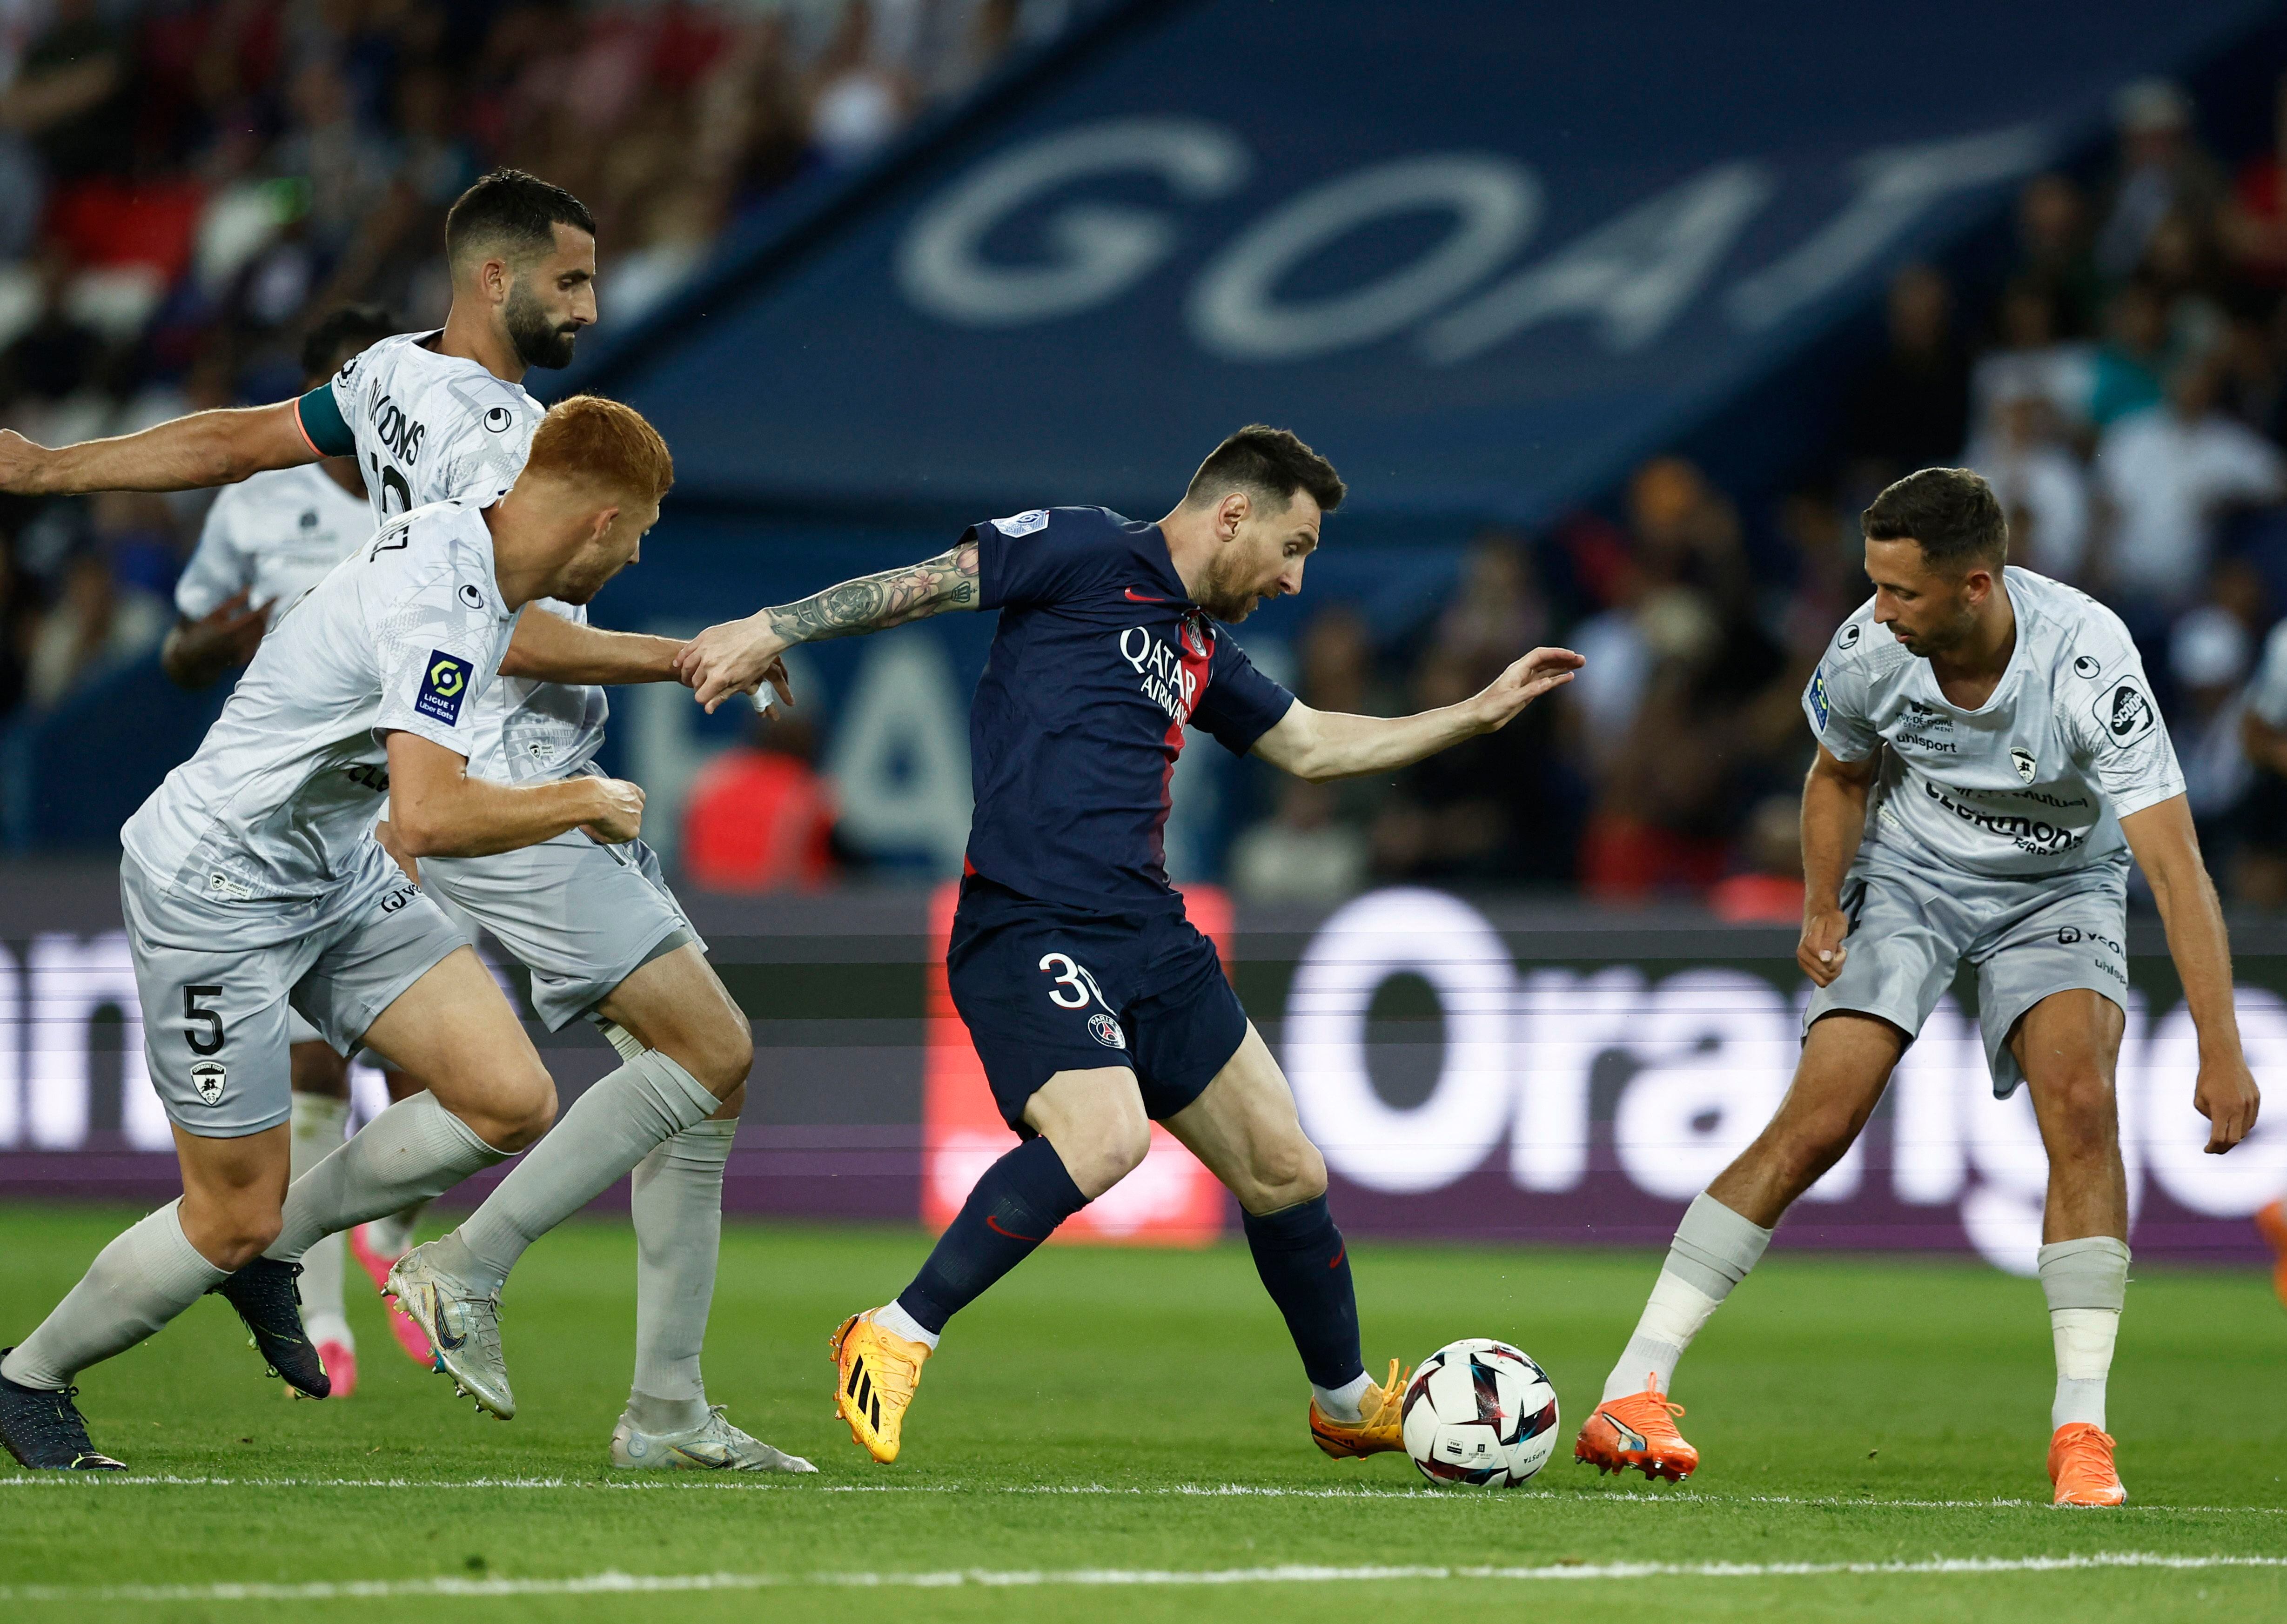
(1480,1413)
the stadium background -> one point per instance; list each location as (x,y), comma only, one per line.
(1611,350)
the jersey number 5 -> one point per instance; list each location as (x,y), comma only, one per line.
(195,1016)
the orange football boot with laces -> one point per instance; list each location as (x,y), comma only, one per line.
(2080,1466)
(875,1371)
(1380,1427)
(1637,1431)
(2271,1223)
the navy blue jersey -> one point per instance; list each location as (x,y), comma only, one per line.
(1100,660)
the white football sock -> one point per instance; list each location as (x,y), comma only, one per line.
(392,1233)
(612,1127)
(2086,1284)
(677,1202)
(145,1278)
(1343,1403)
(1714,1250)
(897,1322)
(414,1150)
(317,1123)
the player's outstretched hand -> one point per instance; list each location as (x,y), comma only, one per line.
(227,635)
(2226,1095)
(22,464)
(619,814)
(1821,950)
(1527,680)
(733,658)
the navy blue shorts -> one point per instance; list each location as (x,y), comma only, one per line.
(1046,988)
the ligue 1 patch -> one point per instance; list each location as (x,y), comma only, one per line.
(1849,638)
(1022,523)
(1817,696)
(2126,711)
(207,1077)
(1106,1031)
(496,421)
(2023,760)
(443,687)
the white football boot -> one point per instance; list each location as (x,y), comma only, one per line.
(463,1327)
(714,1445)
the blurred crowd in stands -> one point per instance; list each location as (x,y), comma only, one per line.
(187,185)
(2124,388)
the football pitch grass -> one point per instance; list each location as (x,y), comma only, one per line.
(1122,1431)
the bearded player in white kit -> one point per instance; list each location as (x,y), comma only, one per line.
(1989,759)
(443,416)
(252,882)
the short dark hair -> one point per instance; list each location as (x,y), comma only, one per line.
(517,210)
(1951,512)
(1268,461)
(342,334)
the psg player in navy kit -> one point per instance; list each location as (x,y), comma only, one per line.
(1094,1004)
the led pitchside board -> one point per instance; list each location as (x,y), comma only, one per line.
(1473,1068)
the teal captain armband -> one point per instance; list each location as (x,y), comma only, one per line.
(322,424)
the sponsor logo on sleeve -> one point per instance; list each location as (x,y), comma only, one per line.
(471,597)
(497,420)
(443,687)
(1817,697)
(2126,711)
(2084,666)
(1022,523)
(1849,637)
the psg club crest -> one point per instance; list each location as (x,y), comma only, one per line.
(207,1077)
(1106,1031)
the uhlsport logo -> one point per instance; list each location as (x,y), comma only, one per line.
(1106,1031)
(207,1077)
(496,421)
(443,687)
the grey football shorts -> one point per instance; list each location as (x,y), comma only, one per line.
(2025,937)
(219,979)
(300,1031)
(582,917)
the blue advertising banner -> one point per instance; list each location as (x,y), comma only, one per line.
(1479,254)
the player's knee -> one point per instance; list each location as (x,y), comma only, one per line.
(1810,1146)
(2082,1109)
(719,1050)
(1108,1153)
(526,1110)
(1286,1173)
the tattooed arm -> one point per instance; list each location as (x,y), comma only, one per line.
(724,660)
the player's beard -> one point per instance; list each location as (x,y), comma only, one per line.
(1224,592)
(540,339)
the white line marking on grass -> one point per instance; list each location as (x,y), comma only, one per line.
(793,1484)
(618,1583)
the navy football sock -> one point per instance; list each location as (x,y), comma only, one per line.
(1306,1269)
(1015,1207)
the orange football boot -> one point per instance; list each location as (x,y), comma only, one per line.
(1637,1431)
(875,1371)
(1381,1425)
(2080,1466)
(2271,1223)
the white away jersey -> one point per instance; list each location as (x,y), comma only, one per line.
(432,427)
(2037,780)
(273,536)
(285,788)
